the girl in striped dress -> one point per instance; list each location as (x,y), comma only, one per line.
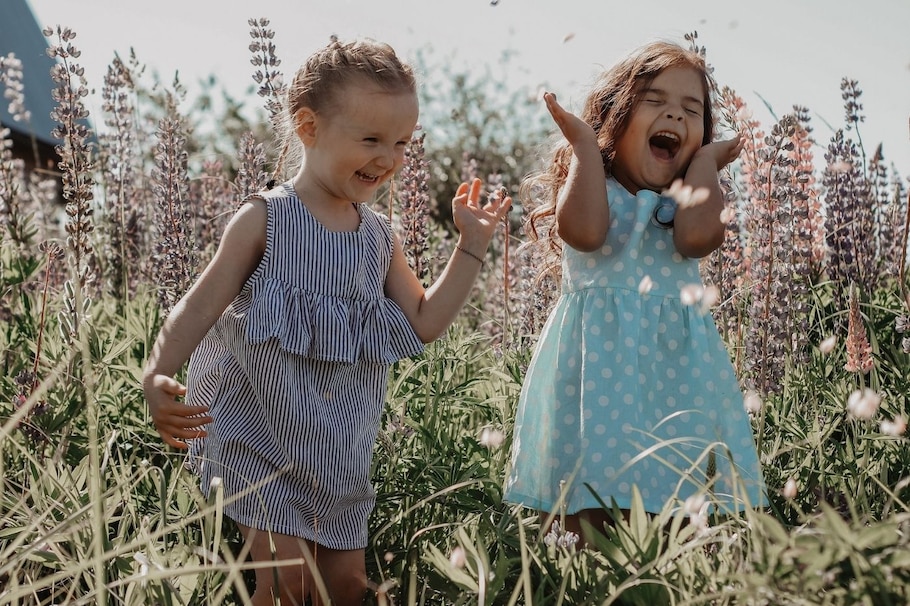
(291,329)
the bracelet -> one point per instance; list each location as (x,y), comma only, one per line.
(470,254)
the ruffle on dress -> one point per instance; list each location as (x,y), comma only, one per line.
(329,328)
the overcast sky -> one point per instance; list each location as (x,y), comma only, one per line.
(783,51)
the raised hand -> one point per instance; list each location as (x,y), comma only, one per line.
(574,129)
(475,221)
(722,152)
(175,421)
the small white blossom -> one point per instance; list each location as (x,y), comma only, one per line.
(685,195)
(690,294)
(564,539)
(897,427)
(743,114)
(790,489)
(727,215)
(709,297)
(645,286)
(827,346)
(388,557)
(863,404)
(491,438)
(458,558)
(752,402)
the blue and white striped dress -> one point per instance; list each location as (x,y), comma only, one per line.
(295,374)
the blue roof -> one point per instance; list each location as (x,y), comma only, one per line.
(21,34)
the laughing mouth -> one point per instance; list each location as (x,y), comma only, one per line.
(367,177)
(664,144)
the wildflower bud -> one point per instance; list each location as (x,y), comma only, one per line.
(790,489)
(690,294)
(727,215)
(458,558)
(752,402)
(827,346)
(645,286)
(491,438)
(388,557)
(863,404)
(895,428)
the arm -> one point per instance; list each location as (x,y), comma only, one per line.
(582,212)
(698,229)
(238,255)
(431,311)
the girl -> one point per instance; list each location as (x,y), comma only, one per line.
(629,385)
(292,327)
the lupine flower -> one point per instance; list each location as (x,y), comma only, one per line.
(251,177)
(267,76)
(564,539)
(897,427)
(859,351)
(414,200)
(75,164)
(863,403)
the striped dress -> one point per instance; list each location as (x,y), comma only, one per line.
(295,373)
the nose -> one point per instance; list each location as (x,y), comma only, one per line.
(675,114)
(387,158)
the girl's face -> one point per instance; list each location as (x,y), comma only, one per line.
(665,129)
(359,144)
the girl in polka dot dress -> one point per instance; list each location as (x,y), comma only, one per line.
(630,385)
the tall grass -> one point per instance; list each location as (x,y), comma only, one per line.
(814,308)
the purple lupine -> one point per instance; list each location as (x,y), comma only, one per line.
(213,204)
(414,201)
(175,253)
(125,240)
(267,76)
(76,166)
(251,178)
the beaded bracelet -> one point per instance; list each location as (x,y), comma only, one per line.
(469,253)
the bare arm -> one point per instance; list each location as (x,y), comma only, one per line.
(697,229)
(431,311)
(582,212)
(238,255)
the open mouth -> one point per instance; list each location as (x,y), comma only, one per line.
(664,145)
(367,177)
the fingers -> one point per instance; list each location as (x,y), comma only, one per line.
(179,422)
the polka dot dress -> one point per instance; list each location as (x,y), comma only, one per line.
(629,388)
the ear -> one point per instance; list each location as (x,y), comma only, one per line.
(305,123)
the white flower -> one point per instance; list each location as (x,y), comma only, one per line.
(863,404)
(696,507)
(897,427)
(491,438)
(458,558)
(709,297)
(841,166)
(564,539)
(685,195)
(388,557)
(727,215)
(827,346)
(645,286)
(752,402)
(790,489)
(690,294)
(694,504)
(743,114)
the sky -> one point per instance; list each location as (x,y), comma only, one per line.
(773,53)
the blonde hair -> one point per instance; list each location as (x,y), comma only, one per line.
(321,80)
(607,108)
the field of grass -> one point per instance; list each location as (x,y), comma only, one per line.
(813,304)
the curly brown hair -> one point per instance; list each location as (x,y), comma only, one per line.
(607,108)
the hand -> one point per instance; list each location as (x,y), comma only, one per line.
(722,152)
(175,421)
(476,222)
(574,129)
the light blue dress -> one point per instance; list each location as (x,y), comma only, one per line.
(626,388)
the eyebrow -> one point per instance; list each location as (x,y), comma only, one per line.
(660,91)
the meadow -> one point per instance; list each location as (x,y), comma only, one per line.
(809,290)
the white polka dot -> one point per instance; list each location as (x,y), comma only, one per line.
(609,472)
(660,245)
(606,251)
(628,399)
(671,430)
(606,373)
(629,371)
(591,263)
(700,430)
(596,457)
(629,342)
(600,429)
(568,448)
(614,414)
(665,271)
(648,260)
(569,390)
(643,350)
(671,401)
(624,487)
(611,442)
(590,386)
(683,360)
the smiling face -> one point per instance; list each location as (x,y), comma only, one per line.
(665,129)
(358,144)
